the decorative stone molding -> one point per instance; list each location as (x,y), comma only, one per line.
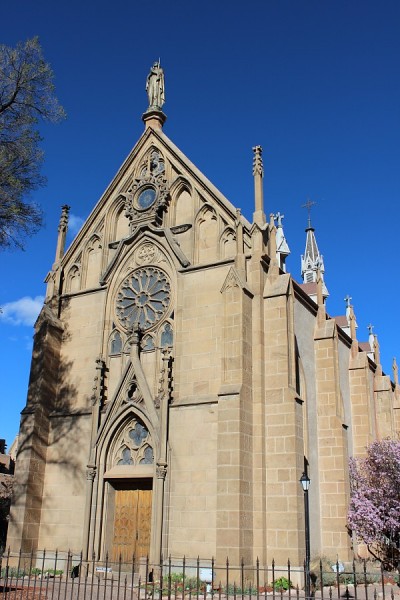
(146,253)
(91,472)
(161,470)
(147,198)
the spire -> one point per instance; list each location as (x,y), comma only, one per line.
(62,232)
(282,247)
(258,174)
(312,260)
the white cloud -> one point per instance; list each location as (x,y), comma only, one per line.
(23,311)
(74,224)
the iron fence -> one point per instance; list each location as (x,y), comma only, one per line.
(68,576)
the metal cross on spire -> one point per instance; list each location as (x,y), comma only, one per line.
(308,206)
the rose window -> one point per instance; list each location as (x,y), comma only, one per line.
(143,298)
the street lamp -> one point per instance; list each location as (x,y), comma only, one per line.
(305,484)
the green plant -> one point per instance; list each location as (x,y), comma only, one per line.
(179,582)
(282,583)
(361,572)
(36,571)
(233,589)
(53,572)
(12,572)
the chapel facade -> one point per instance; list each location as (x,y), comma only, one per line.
(182,380)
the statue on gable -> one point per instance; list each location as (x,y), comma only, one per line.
(155,87)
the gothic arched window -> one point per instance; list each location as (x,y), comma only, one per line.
(116,343)
(134,446)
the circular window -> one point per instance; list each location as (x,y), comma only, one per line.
(143,298)
(146,198)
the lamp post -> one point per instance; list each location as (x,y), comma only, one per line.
(305,484)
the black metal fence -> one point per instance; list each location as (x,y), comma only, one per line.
(67,576)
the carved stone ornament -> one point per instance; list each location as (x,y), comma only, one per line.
(143,298)
(90,472)
(161,470)
(145,254)
(147,198)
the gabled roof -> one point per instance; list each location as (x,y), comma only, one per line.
(165,144)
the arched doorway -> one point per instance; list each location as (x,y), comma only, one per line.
(129,494)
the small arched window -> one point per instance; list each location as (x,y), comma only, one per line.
(116,343)
(167,336)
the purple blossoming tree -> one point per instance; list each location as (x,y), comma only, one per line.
(374,512)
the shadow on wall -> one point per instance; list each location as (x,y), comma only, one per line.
(50,432)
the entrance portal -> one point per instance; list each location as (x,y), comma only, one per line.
(132,520)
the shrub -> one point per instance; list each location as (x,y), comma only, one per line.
(282,583)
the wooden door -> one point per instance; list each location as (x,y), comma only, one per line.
(132,521)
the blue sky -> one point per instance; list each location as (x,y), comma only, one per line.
(315,82)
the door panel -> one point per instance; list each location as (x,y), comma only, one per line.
(143,523)
(132,521)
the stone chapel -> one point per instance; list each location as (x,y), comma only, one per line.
(182,381)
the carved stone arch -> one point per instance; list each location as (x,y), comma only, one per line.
(91,266)
(227,243)
(206,235)
(110,450)
(73,279)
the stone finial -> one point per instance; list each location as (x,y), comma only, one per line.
(395,370)
(240,260)
(239,231)
(258,168)
(62,232)
(352,323)
(63,223)
(371,339)
(258,174)
(321,315)
(377,356)
(272,237)
(320,294)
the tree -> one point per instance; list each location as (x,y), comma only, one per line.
(26,97)
(374,512)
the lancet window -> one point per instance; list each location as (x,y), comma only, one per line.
(115,343)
